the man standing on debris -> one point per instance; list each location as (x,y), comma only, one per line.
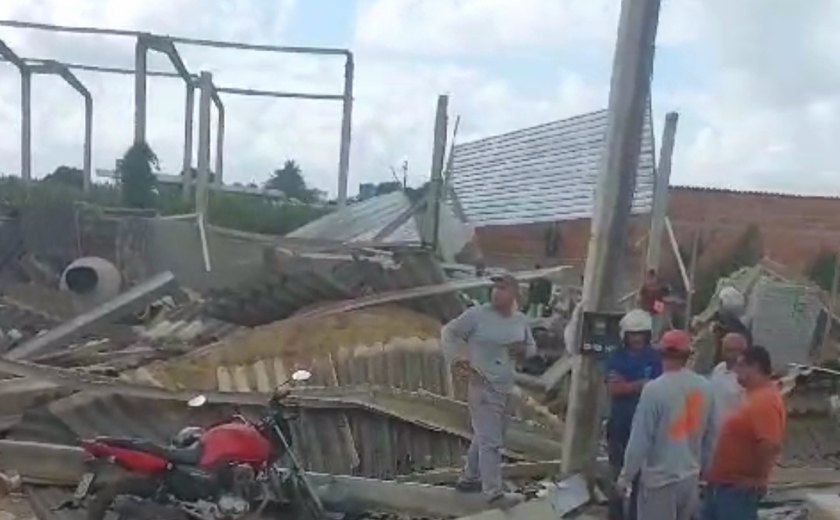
(727,391)
(749,443)
(494,334)
(539,295)
(628,370)
(672,437)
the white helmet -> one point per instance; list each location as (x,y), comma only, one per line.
(636,320)
(731,300)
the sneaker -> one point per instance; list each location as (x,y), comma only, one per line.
(468,486)
(506,500)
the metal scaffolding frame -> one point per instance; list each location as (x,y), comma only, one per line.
(25,110)
(166,44)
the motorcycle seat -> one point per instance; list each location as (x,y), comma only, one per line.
(190,456)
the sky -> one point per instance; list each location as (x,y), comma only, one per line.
(756,82)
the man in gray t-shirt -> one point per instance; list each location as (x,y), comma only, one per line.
(493,335)
(672,437)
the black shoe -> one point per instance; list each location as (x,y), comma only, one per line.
(468,486)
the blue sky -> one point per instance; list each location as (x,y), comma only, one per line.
(755,82)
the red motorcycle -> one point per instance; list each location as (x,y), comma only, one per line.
(230,471)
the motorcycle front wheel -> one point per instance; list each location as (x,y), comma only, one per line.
(130,499)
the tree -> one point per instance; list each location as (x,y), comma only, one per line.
(136,172)
(66,175)
(290,181)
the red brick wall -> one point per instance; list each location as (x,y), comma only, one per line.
(792,231)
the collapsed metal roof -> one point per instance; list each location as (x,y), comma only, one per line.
(545,173)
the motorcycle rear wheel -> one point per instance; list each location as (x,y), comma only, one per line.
(137,487)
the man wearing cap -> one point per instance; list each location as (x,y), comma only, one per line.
(495,335)
(672,437)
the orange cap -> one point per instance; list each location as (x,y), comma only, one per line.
(677,340)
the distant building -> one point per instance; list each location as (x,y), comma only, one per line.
(530,193)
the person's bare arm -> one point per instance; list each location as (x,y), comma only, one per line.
(617,385)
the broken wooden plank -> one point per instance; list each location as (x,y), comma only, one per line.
(130,301)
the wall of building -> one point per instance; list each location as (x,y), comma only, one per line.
(791,230)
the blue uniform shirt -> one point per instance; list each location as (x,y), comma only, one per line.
(632,365)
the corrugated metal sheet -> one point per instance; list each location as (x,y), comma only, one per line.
(546,173)
(362,221)
(299,282)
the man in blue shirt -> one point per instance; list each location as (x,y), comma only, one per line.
(628,370)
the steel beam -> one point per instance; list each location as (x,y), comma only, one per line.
(56,68)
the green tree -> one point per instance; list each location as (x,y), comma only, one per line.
(136,173)
(290,181)
(66,175)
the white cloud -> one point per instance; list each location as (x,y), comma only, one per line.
(765,116)
(482,26)
(769,116)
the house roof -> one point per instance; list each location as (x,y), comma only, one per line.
(545,173)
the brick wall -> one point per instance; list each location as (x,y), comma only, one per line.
(791,230)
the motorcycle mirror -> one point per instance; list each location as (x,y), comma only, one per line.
(197,401)
(301,375)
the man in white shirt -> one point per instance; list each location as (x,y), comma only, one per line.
(727,392)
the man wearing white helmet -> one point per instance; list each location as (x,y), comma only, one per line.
(628,370)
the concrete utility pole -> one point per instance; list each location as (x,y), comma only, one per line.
(25,109)
(436,187)
(186,168)
(140,53)
(660,192)
(346,124)
(629,91)
(26,125)
(54,67)
(205,85)
(220,145)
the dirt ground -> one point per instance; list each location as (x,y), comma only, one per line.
(15,507)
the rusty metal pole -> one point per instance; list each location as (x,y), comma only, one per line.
(629,91)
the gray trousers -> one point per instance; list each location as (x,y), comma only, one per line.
(489,414)
(676,501)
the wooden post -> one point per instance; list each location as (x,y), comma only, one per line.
(629,91)
(660,192)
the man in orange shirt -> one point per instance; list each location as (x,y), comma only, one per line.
(749,444)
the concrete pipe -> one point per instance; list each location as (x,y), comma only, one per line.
(92,281)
